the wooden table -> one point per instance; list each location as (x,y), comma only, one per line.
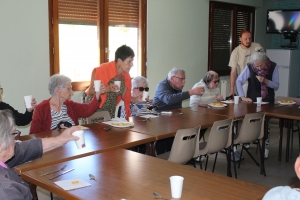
(97,140)
(166,126)
(126,174)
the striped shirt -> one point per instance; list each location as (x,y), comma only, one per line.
(58,117)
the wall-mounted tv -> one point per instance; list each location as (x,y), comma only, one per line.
(283,21)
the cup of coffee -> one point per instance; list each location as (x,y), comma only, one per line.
(81,142)
(28,100)
(176,186)
(258,101)
(145,95)
(97,85)
(118,83)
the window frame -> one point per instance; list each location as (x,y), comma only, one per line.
(233,36)
(102,24)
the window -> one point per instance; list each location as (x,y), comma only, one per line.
(225,23)
(86,33)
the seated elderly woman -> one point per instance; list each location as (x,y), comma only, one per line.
(262,76)
(59,111)
(20,118)
(139,85)
(13,154)
(211,92)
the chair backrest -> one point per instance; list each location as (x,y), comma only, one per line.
(219,137)
(185,143)
(252,128)
(98,116)
(118,111)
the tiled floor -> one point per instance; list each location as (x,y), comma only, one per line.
(278,172)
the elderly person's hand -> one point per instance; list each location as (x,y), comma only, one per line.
(197,91)
(33,105)
(219,97)
(112,88)
(246,99)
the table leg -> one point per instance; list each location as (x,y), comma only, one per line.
(287,156)
(281,124)
(229,174)
(150,149)
(263,146)
(33,191)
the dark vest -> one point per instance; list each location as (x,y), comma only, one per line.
(254,86)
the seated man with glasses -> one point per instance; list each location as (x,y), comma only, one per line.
(139,84)
(21,119)
(211,91)
(169,94)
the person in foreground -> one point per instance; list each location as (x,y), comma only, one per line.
(262,76)
(239,58)
(285,192)
(139,85)
(211,91)
(108,73)
(13,154)
(169,95)
(20,118)
(59,111)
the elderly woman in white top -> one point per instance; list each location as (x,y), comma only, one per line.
(211,91)
(139,84)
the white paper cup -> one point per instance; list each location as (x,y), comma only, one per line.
(97,85)
(176,186)
(79,143)
(236,99)
(258,101)
(145,95)
(28,100)
(119,84)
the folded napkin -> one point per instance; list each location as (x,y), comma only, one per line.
(166,113)
(72,184)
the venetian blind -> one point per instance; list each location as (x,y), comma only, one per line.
(123,12)
(221,33)
(242,22)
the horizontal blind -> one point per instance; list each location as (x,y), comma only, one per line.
(74,11)
(123,12)
(221,38)
(242,22)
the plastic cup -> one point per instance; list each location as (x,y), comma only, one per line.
(236,99)
(28,100)
(97,85)
(258,101)
(145,95)
(176,186)
(119,84)
(79,143)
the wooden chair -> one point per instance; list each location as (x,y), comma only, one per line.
(185,145)
(220,137)
(98,116)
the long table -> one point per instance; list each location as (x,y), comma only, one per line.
(97,141)
(129,175)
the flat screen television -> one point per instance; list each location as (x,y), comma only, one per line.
(283,21)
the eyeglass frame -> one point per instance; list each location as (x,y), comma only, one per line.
(141,89)
(181,79)
(215,82)
(1,90)
(16,134)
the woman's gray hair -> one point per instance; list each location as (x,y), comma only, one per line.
(7,124)
(57,81)
(174,71)
(258,54)
(138,79)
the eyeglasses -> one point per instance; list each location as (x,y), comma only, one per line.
(1,90)
(16,134)
(142,89)
(215,82)
(181,79)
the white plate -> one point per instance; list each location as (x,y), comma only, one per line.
(121,124)
(228,101)
(285,103)
(217,106)
(262,102)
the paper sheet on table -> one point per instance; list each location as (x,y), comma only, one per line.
(148,116)
(72,184)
